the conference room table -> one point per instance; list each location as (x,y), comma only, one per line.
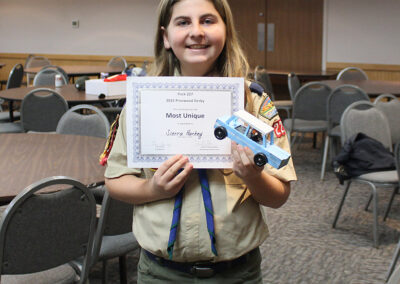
(303,75)
(71,94)
(372,87)
(279,79)
(81,70)
(29,157)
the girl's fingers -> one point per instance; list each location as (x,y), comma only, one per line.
(175,168)
(242,155)
(167,164)
(180,179)
(245,156)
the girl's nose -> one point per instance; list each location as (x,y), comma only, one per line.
(196,30)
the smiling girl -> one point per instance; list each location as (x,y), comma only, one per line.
(217,241)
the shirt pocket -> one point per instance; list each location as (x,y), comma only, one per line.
(236,190)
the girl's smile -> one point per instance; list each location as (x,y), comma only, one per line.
(196,34)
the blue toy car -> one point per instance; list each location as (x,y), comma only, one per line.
(246,130)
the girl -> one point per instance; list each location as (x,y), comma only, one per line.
(197,38)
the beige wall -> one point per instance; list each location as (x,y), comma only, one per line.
(362,31)
(356,32)
(117,27)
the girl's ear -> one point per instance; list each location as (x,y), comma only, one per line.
(165,38)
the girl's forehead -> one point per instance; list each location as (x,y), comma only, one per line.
(186,7)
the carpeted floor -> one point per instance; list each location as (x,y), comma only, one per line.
(303,247)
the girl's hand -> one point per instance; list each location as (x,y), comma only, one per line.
(167,180)
(243,163)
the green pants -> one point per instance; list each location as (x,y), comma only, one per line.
(151,272)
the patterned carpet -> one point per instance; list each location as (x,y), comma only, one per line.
(303,246)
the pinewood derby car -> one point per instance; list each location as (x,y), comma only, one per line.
(247,130)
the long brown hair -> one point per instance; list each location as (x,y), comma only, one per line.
(230,63)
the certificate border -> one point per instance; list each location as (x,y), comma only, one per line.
(136,85)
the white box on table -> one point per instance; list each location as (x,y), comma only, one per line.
(98,86)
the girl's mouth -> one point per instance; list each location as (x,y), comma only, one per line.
(197,46)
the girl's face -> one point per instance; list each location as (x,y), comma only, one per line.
(196,34)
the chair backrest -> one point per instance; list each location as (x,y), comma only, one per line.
(46,76)
(42,231)
(390,106)
(15,77)
(339,99)
(28,58)
(262,77)
(118,61)
(89,121)
(352,73)
(115,219)
(310,101)
(35,61)
(293,84)
(58,68)
(365,117)
(41,109)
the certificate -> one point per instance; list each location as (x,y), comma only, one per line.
(166,116)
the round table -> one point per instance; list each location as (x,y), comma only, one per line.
(81,70)
(372,87)
(304,75)
(72,95)
(27,158)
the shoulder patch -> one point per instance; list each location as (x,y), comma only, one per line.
(256,88)
(267,109)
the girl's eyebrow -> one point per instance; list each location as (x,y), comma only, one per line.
(201,16)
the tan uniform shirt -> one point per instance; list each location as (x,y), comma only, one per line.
(240,224)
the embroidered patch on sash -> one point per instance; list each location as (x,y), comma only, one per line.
(268,109)
(279,130)
(110,142)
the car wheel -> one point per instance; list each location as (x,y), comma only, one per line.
(260,159)
(220,132)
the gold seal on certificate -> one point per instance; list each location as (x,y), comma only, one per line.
(176,115)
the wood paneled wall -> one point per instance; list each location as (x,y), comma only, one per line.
(374,71)
(10,59)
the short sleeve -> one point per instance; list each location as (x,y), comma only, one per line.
(264,109)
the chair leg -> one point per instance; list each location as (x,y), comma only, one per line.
(324,157)
(394,261)
(300,140)
(375,214)
(123,278)
(292,139)
(395,190)
(368,203)
(314,145)
(341,203)
(105,273)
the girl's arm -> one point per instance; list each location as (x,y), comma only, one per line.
(166,183)
(265,189)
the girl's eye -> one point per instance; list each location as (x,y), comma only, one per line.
(182,23)
(208,21)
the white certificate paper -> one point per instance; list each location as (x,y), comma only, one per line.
(176,115)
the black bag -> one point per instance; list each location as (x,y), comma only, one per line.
(362,154)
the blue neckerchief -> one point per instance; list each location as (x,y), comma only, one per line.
(205,190)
